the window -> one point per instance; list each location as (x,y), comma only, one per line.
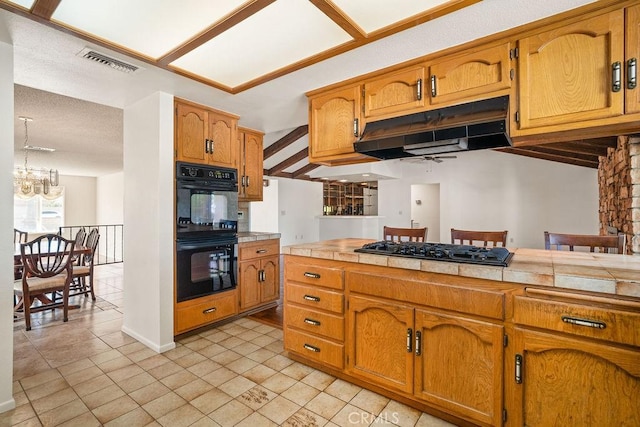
(37,214)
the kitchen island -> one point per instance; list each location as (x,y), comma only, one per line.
(552,339)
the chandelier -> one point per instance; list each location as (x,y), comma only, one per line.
(29,182)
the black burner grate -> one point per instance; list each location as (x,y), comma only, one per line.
(441,252)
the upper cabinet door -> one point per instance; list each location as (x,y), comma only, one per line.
(472,75)
(632,57)
(252,165)
(191,133)
(567,74)
(401,91)
(223,138)
(334,122)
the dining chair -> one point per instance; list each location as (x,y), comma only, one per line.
(84,268)
(395,234)
(607,244)
(47,269)
(19,236)
(473,237)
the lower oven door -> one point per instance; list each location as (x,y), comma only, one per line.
(205,267)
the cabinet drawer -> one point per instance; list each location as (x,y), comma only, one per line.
(201,311)
(607,324)
(315,322)
(258,249)
(314,348)
(315,275)
(313,297)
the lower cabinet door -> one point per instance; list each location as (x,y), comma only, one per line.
(249,284)
(562,381)
(380,343)
(459,365)
(270,285)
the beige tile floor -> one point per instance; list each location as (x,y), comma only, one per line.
(86,372)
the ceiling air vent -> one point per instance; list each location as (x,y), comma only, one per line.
(106,60)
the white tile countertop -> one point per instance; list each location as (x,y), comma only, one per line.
(252,236)
(593,272)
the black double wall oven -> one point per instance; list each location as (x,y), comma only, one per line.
(206,230)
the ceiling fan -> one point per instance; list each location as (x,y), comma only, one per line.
(438,159)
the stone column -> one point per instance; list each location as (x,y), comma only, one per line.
(634,153)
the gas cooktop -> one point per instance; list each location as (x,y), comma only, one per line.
(441,252)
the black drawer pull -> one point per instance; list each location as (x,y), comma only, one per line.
(311,322)
(312,348)
(311,275)
(584,322)
(209,310)
(311,298)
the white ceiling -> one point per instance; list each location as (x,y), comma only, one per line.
(46,59)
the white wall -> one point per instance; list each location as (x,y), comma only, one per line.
(263,216)
(148,215)
(427,213)
(488,190)
(110,198)
(6,223)
(299,204)
(79,199)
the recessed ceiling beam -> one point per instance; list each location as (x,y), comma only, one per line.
(303,170)
(45,8)
(300,155)
(216,29)
(543,156)
(285,141)
(334,13)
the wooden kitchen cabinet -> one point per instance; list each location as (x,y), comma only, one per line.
(566,75)
(573,362)
(632,91)
(314,310)
(412,335)
(381,342)
(198,312)
(250,165)
(335,123)
(476,74)
(204,135)
(393,93)
(471,348)
(258,273)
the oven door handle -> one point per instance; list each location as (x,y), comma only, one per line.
(186,246)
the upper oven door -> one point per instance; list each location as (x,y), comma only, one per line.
(206,199)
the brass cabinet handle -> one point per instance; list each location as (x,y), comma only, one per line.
(409,341)
(242,181)
(616,76)
(419,89)
(311,348)
(206,146)
(247,181)
(209,310)
(584,322)
(311,322)
(632,73)
(311,275)
(211,145)
(311,298)
(261,251)
(518,371)
(355,127)
(434,92)
(418,343)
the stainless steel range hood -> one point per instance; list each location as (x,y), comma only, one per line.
(474,126)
